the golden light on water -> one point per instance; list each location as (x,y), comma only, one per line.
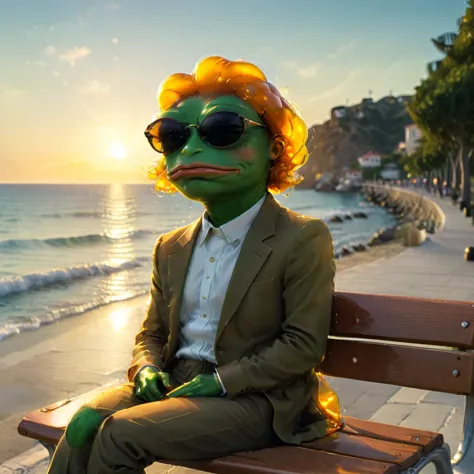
(118,211)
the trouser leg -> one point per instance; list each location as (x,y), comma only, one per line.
(74,461)
(135,434)
(180,429)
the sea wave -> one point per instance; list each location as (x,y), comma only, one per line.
(71,241)
(89,214)
(35,281)
(12,327)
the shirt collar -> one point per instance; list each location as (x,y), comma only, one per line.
(234,229)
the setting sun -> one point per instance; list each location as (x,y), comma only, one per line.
(117,151)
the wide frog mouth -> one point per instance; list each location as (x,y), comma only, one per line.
(200,169)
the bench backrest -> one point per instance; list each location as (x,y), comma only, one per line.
(412,342)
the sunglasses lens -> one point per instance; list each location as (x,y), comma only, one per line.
(167,135)
(222,129)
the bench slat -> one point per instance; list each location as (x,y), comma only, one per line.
(427,369)
(405,455)
(290,460)
(426,440)
(403,319)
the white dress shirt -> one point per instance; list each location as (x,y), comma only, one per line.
(210,269)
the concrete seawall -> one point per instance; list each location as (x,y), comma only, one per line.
(406,204)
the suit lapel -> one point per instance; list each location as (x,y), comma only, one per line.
(178,264)
(252,256)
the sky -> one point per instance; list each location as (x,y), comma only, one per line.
(79,77)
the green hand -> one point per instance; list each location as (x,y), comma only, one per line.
(151,384)
(200,386)
(82,427)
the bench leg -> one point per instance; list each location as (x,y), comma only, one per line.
(466,466)
(50,448)
(440,458)
(463,460)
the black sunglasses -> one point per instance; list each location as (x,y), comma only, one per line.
(220,130)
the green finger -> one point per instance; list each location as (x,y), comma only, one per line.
(147,396)
(178,392)
(154,391)
(139,393)
(165,378)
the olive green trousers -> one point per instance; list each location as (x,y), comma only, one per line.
(135,434)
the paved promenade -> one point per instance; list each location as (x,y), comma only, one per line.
(80,356)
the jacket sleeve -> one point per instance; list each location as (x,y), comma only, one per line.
(153,334)
(308,294)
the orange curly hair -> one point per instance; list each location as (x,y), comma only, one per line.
(217,76)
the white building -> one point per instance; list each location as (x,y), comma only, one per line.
(412,136)
(370,160)
(390,171)
(354,175)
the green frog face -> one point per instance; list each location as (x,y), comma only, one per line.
(208,173)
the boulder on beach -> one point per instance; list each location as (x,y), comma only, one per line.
(388,234)
(346,251)
(411,235)
(360,215)
(374,240)
(336,219)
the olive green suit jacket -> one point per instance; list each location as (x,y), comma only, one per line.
(274,323)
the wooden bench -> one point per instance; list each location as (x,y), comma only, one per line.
(411,342)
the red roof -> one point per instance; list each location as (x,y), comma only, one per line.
(368,155)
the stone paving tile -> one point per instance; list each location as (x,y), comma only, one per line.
(445,399)
(427,416)
(366,405)
(453,428)
(408,395)
(392,413)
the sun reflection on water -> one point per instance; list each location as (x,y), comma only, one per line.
(118,223)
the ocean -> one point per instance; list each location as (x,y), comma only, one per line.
(67,249)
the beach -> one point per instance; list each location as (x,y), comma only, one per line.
(80,353)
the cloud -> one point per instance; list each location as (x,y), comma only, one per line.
(36,63)
(342,49)
(113,6)
(337,88)
(50,50)
(115,58)
(55,73)
(115,40)
(311,71)
(72,55)
(307,72)
(11,93)
(289,64)
(95,87)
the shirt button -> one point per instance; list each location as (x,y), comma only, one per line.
(204,315)
(203,297)
(212,259)
(207,278)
